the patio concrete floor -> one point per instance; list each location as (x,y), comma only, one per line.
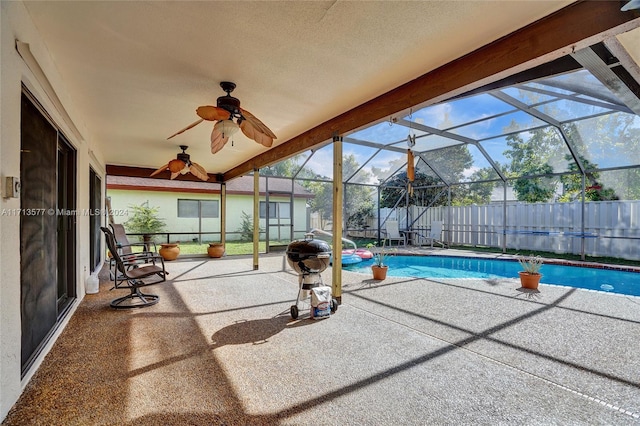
(221,348)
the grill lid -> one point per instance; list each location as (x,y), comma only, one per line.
(308,248)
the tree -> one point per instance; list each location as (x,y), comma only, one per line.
(358,203)
(476,191)
(427,189)
(144,220)
(529,164)
(285,168)
(594,190)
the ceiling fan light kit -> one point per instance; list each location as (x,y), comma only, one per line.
(227,127)
(227,110)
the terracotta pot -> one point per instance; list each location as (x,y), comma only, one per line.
(530,281)
(215,250)
(379,272)
(169,251)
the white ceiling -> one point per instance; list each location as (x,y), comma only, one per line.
(137,70)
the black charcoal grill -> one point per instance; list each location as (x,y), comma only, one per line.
(308,257)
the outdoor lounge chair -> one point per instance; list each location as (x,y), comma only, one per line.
(435,234)
(392,233)
(124,247)
(123,242)
(134,275)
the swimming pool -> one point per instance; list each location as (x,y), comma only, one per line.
(609,280)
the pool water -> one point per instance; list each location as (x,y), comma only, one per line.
(612,281)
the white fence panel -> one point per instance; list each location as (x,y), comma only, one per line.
(611,228)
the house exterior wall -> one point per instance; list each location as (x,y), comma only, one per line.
(15,23)
(167,202)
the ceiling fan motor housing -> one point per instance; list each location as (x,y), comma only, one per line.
(184,157)
(230,104)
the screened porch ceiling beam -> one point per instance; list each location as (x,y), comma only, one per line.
(592,62)
(576,98)
(375,145)
(433,130)
(525,108)
(581,89)
(623,56)
(525,48)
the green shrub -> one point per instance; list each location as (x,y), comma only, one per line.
(144,220)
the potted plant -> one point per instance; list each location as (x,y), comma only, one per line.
(530,276)
(378,268)
(144,221)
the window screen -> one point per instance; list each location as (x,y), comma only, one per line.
(276,210)
(188,208)
(209,209)
(198,208)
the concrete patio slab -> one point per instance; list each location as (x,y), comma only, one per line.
(221,348)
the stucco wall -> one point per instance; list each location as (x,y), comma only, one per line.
(16,24)
(121,200)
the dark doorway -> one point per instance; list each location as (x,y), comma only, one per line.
(47,228)
(95,198)
(66,223)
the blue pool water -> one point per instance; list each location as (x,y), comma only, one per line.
(608,280)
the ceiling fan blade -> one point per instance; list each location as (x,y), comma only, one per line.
(187,128)
(161,169)
(259,125)
(217,140)
(253,133)
(198,171)
(212,113)
(174,175)
(248,129)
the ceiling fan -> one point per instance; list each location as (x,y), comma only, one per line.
(183,165)
(228,109)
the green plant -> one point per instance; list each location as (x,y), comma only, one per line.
(381,254)
(531,264)
(246,227)
(144,220)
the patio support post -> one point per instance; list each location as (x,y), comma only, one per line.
(336,287)
(379,219)
(256,217)
(583,205)
(504,217)
(223,213)
(449,219)
(292,211)
(267,214)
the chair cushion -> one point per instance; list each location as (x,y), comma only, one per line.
(144,271)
